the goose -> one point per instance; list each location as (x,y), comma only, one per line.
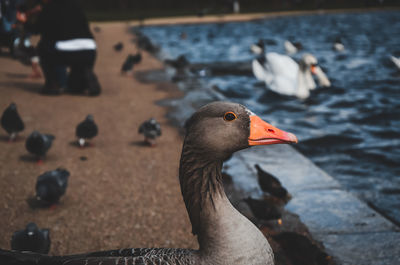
(11,121)
(396,61)
(87,129)
(284,76)
(151,129)
(226,237)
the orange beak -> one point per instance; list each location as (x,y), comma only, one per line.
(263,133)
(313,69)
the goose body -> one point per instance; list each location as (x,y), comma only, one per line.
(285,76)
(11,121)
(86,129)
(225,236)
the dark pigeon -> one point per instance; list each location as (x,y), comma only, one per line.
(179,63)
(38,144)
(119,46)
(87,129)
(11,121)
(263,209)
(130,61)
(31,239)
(269,183)
(151,129)
(51,185)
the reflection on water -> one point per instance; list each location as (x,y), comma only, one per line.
(352,129)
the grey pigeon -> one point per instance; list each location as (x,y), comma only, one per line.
(11,121)
(51,185)
(119,46)
(87,129)
(151,129)
(31,239)
(38,143)
(130,61)
(269,183)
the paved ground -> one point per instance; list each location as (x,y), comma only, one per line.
(125,194)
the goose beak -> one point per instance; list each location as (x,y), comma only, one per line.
(263,133)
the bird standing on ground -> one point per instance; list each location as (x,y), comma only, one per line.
(118,47)
(225,236)
(38,144)
(269,183)
(31,239)
(87,129)
(11,121)
(151,129)
(130,61)
(51,185)
(263,210)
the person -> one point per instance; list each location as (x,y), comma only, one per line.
(66,42)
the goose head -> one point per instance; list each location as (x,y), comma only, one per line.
(309,64)
(221,128)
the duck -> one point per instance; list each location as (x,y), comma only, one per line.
(87,129)
(31,239)
(285,76)
(12,122)
(38,144)
(396,61)
(213,133)
(151,129)
(271,184)
(51,185)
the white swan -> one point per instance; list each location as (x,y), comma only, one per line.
(292,48)
(338,45)
(284,76)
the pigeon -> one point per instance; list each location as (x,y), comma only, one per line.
(179,63)
(51,185)
(269,183)
(151,129)
(38,144)
(119,46)
(130,61)
(87,129)
(31,239)
(263,210)
(11,121)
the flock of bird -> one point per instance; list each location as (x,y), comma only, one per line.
(283,75)
(52,185)
(225,236)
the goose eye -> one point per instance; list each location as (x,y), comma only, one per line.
(230,116)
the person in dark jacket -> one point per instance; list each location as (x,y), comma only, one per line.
(66,41)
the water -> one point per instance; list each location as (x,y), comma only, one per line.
(352,129)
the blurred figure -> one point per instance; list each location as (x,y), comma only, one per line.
(66,41)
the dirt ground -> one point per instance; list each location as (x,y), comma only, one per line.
(125,194)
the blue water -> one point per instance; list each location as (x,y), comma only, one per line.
(352,129)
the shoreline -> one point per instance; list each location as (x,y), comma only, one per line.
(226,18)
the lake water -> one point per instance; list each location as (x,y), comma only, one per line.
(351,130)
